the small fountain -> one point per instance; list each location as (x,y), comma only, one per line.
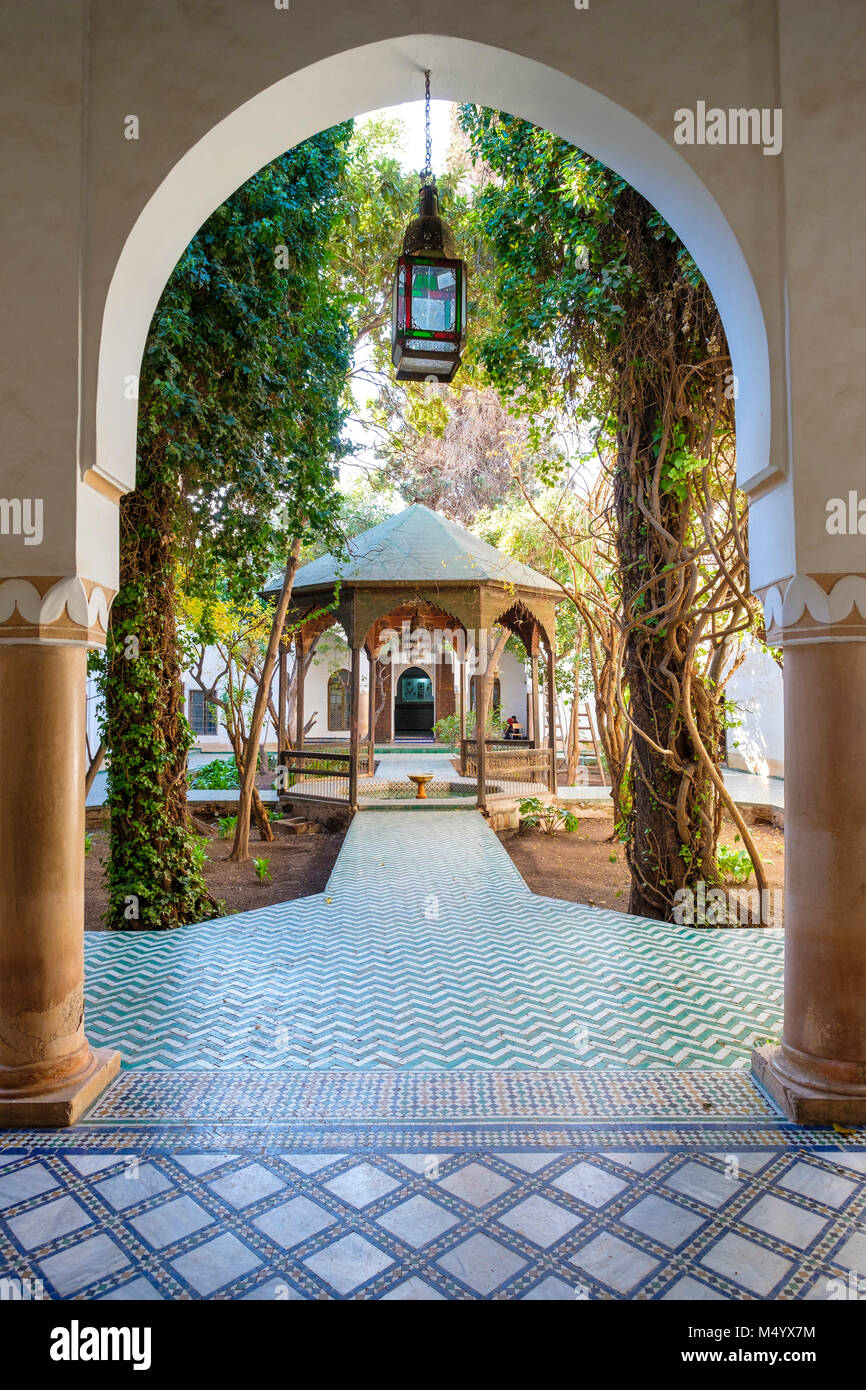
(421,779)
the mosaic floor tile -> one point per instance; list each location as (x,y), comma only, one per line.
(83,1264)
(482,1264)
(810,1181)
(248,1185)
(533,1240)
(747,1264)
(136,1183)
(664,1221)
(170,1222)
(202,1163)
(614,1262)
(689,1290)
(590,1184)
(31,1181)
(852,1253)
(218,1262)
(412,1290)
(49,1222)
(511,1098)
(363,976)
(705,1184)
(549,1290)
(539,1220)
(349,1263)
(785,1221)
(417,1221)
(362,1185)
(476,1184)
(294,1222)
(139,1290)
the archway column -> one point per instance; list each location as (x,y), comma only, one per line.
(818,1073)
(49,1074)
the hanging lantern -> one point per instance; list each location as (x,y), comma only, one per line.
(428,305)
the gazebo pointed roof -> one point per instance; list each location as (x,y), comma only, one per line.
(417,546)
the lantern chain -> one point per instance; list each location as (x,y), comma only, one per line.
(428,169)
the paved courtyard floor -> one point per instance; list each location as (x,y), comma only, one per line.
(428,1082)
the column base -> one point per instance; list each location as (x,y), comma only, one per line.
(807,1102)
(64,1106)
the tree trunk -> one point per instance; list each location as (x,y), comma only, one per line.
(672,816)
(95,764)
(241,847)
(153,879)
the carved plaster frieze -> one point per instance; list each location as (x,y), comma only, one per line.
(816,608)
(48,609)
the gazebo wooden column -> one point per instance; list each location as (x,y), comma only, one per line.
(282,698)
(480,746)
(354,727)
(371,715)
(300,653)
(461,677)
(534,731)
(551,714)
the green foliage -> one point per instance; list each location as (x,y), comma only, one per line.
(447,729)
(219,775)
(241,413)
(227,826)
(88,842)
(537,815)
(199,852)
(735,865)
(263,870)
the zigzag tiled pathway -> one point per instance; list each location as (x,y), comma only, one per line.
(428,950)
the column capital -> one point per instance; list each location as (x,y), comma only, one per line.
(51,609)
(808,608)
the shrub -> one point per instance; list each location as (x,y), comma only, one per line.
(535,813)
(219,775)
(734,864)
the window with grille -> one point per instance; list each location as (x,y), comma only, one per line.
(338,700)
(202,714)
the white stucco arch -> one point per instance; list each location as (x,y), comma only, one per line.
(385,74)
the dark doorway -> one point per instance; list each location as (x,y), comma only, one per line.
(413,703)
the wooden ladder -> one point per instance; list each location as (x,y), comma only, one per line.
(586,733)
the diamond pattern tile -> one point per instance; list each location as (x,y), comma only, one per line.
(747,1264)
(476,1183)
(482,1264)
(348,1263)
(614,1262)
(499,1208)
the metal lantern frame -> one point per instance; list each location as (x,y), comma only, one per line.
(420,353)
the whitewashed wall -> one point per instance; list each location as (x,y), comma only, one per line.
(756,690)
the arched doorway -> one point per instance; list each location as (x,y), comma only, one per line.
(387,73)
(414,704)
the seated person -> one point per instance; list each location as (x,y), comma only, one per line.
(512,727)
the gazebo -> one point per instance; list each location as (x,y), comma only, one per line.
(416,573)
